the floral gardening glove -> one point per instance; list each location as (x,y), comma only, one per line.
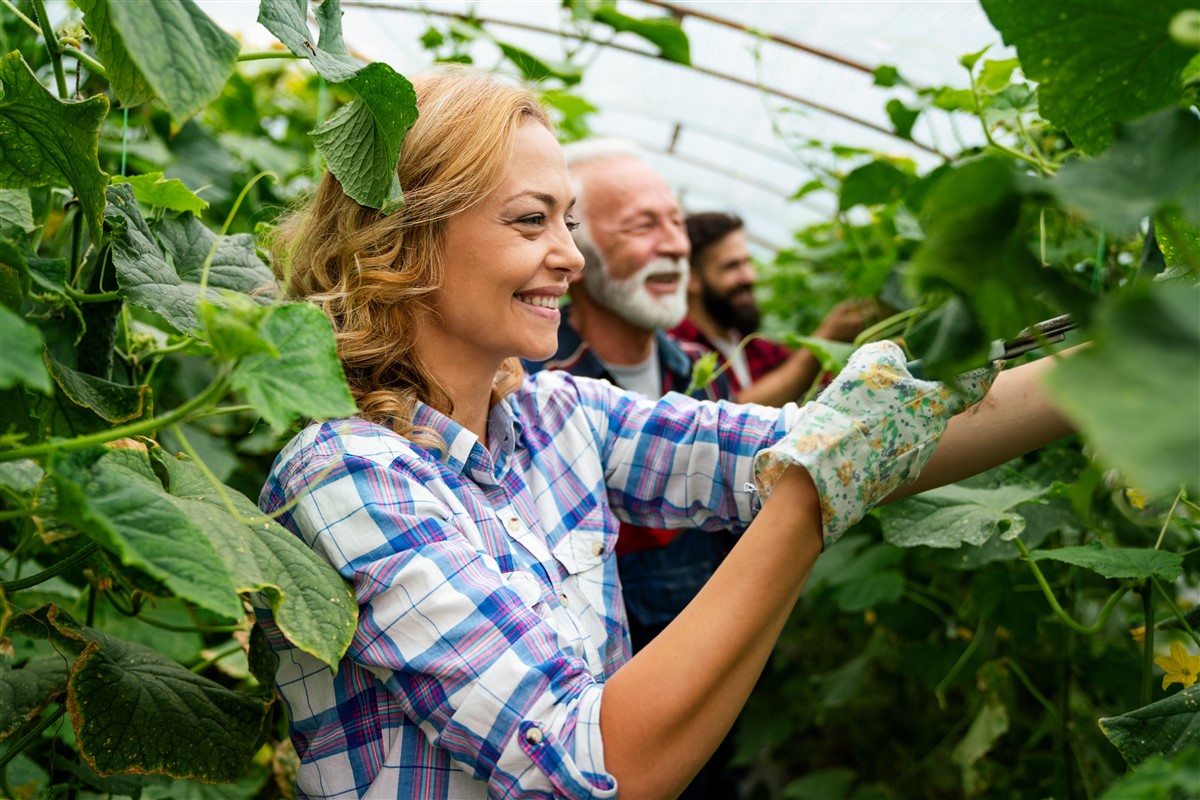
(868,433)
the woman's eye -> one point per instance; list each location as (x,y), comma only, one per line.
(533,219)
(572,225)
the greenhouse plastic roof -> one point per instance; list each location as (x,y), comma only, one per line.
(723,144)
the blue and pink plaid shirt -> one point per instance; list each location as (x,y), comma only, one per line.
(490,609)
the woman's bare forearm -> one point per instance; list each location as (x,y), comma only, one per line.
(664,712)
(1014,418)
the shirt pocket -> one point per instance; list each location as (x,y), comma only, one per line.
(588,577)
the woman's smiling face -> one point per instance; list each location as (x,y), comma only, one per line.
(508,261)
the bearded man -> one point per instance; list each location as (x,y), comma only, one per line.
(722,312)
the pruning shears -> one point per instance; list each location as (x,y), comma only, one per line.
(1050,331)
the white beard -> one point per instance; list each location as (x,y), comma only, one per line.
(629,298)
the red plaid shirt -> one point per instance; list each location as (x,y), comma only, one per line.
(761,356)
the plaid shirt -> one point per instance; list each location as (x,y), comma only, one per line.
(490,610)
(762,356)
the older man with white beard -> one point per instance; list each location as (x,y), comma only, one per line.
(631,291)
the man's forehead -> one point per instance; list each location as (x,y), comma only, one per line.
(625,186)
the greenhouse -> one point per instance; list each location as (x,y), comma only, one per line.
(600,398)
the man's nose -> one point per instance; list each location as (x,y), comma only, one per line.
(674,240)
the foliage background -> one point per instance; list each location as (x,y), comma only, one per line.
(926,659)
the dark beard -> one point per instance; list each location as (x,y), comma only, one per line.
(728,315)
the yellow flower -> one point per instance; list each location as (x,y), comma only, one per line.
(1180,667)
(1137,499)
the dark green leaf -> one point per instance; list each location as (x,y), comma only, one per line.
(235,264)
(312,605)
(663,32)
(886,75)
(168,47)
(1117,562)
(1153,165)
(308,358)
(539,69)
(1135,394)
(1178,241)
(870,579)
(1156,776)
(948,335)
(26,691)
(288,20)
(361,142)
(1163,728)
(956,515)
(22,361)
(136,711)
(114,496)
(1094,63)
(169,193)
(114,402)
(233,331)
(903,118)
(876,183)
(49,142)
(16,213)
(990,724)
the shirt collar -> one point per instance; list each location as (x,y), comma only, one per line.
(465,453)
(575,356)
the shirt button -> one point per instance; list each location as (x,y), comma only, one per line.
(598,549)
(564,599)
(534,736)
(513,524)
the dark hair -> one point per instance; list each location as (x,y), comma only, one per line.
(709,227)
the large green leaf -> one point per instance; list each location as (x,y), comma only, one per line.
(956,515)
(114,497)
(22,361)
(1159,777)
(663,32)
(26,691)
(169,193)
(1163,728)
(871,579)
(135,710)
(361,142)
(114,402)
(49,142)
(16,213)
(1152,166)
(875,183)
(308,359)
(313,606)
(975,249)
(145,277)
(168,48)
(1117,562)
(288,20)
(235,264)
(1095,62)
(1135,394)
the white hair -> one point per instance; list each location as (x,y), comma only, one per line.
(599,149)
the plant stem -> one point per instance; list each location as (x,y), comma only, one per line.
(1167,521)
(940,689)
(167,626)
(94,66)
(894,322)
(265,55)
(220,410)
(16,748)
(1175,610)
(84,297)
(59,567)
(214,392)
(17,13)
(60,77)
(16,513)
(226,650)
(1068,620)
(1148,643)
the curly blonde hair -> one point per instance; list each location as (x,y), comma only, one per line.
(376,276)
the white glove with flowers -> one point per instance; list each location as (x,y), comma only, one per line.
(869,433)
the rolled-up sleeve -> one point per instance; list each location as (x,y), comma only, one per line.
(464,651)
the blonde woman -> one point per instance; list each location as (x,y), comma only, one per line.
(474,509)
